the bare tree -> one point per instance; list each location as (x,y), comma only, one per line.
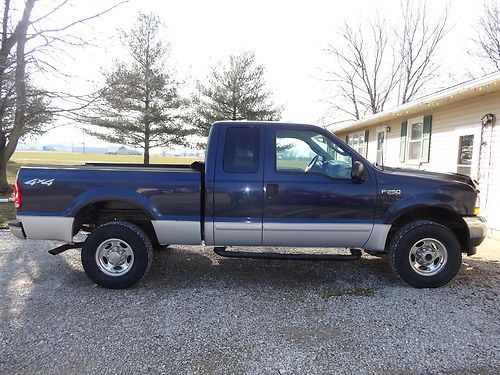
(487,42)
(7,58)
(365,70)
(28,41)
(380,64)
(418,41)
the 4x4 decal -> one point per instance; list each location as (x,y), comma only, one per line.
(37,181)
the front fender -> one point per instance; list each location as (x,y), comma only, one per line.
(427,200)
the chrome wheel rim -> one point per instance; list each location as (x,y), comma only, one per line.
(428,256)
(114,257)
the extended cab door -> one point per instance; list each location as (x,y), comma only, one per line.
(238,186)
(310,198)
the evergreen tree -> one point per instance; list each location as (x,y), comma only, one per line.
(235,91)
(140,105)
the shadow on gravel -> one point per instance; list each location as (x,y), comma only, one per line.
(180,268)
(23,271)
(184,268)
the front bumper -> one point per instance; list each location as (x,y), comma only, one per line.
(477,229)
(16,228)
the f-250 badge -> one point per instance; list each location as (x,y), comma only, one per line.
(391,191)
(37,181)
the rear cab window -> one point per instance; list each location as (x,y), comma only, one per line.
(241,150)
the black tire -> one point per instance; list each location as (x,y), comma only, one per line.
(413,234)
(136,241)
(161,247)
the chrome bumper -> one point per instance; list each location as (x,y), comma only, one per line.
(477,229)
(16,228)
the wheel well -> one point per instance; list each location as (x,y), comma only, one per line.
(98,213)
(448,218)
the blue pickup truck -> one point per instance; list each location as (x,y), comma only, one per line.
(262,184)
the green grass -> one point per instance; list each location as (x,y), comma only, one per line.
(295,164)
(22,158)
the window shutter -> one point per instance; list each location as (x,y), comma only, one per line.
(426,139)
(402,148)
(367,133)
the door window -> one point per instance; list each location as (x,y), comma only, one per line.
(465,149)
(241,150)
(381,146)
(304,151)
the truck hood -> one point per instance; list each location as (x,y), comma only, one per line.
(452,177)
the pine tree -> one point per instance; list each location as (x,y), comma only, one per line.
(140,105)
(236,91)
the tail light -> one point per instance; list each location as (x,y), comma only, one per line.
(17,195)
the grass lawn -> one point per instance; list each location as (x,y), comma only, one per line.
(21,158)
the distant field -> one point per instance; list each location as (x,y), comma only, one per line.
(40,157)
(21,158)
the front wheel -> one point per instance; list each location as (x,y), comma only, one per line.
(425,254)
(117,255)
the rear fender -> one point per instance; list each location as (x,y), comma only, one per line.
(112,194)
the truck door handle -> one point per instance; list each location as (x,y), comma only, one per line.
(272,190)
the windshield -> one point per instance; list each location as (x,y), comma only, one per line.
(332,149)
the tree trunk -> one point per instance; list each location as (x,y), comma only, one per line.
(5,188)
(21,102)
(146,141)
(146,155)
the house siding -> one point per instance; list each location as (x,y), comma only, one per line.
(448,123)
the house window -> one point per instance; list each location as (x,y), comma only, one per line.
(415,139)
(358,142)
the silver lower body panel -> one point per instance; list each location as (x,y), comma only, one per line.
(316,234)
(177,232)
(47,227)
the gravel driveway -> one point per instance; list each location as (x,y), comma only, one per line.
(197,313)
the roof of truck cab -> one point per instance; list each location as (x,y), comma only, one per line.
(273,123)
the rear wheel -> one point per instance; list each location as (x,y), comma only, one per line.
(425,254)
(117,255)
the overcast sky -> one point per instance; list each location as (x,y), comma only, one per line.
(288,37)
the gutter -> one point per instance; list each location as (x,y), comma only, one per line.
(451,95)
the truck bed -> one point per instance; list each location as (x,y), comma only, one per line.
(166,194)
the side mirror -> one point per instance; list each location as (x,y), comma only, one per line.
(358,171)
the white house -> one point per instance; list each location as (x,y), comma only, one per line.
(453,130)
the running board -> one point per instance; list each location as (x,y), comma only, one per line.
(355,255)
(63,248)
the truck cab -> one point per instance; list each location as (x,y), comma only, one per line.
(286,185)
